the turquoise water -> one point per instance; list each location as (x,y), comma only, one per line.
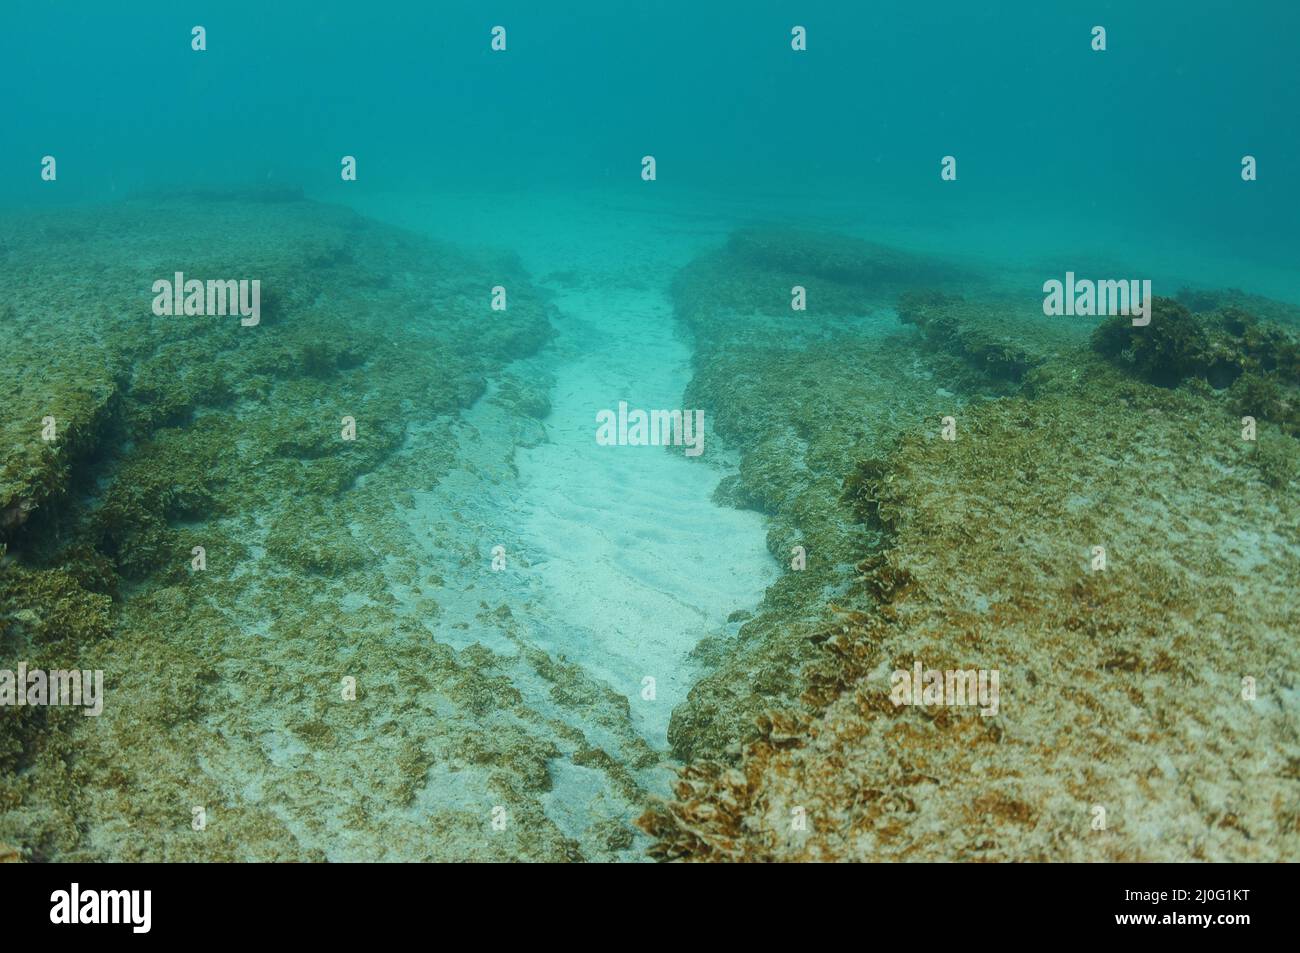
(620,564)
(1137,147)
(1146,136)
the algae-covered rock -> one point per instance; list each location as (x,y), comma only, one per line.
(803,396)
(217,528)
(1172,348)
(59,397)
(43,607)
(800,396)
(1116,549)
(837,258)
(311,537)
(999,338)
(1217,346)
(1205,300)
(1113,553)
(1258,361)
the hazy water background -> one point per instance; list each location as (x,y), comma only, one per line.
(1138,146)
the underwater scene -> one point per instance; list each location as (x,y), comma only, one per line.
(609,432)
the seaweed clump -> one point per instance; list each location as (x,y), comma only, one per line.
(1172,348)
(1257,362)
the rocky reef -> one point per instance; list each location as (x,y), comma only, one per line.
(261,591)
(799,395)
(275,543)
(980,344)
(1075,507)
